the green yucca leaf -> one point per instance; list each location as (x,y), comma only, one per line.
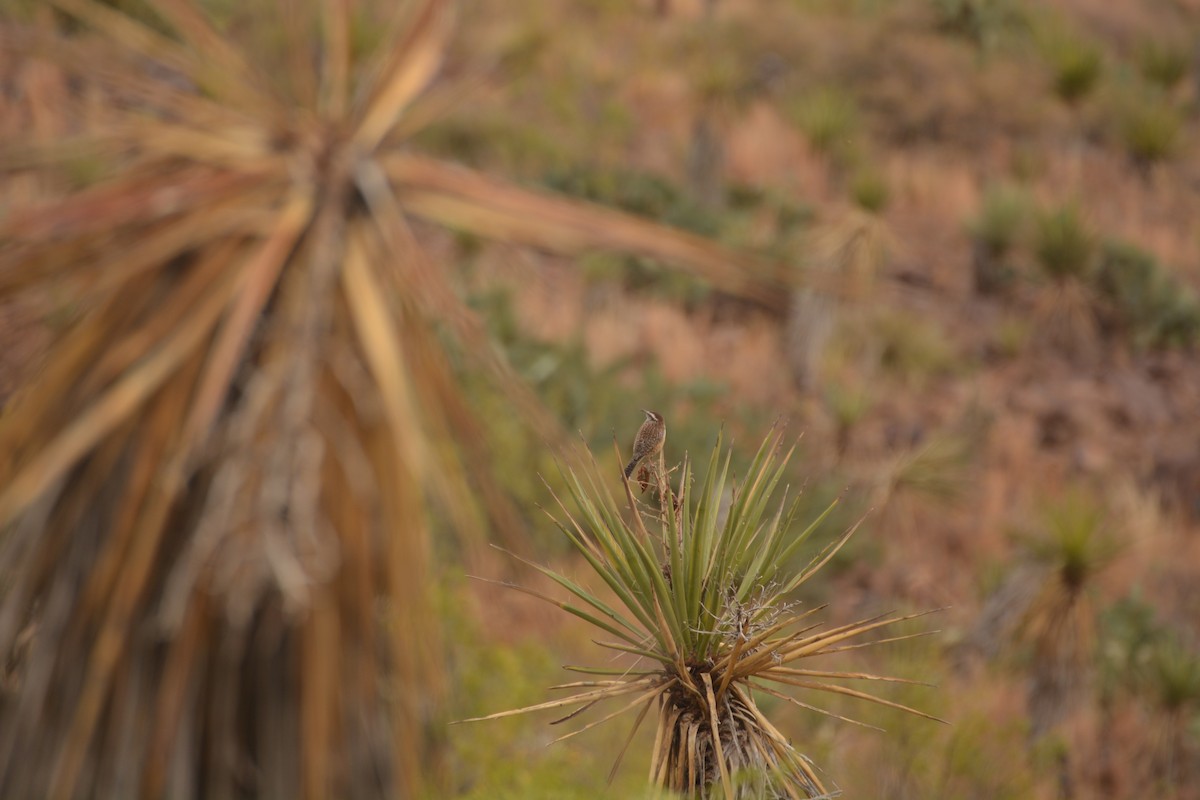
(754,573)
(619,587)
(800,539)
(822,558)
(582,594)
(605,671)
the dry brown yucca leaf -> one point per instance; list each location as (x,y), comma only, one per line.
(461,198)
(216,492)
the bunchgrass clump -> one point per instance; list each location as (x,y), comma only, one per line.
(1172,680)
(1143,300)
(870,190)
(1172,675)
(1149,127)
(1162,63)
(1075,62)
(704,622)
(830,119)
(995,232)
(1063,244)
(1001,219)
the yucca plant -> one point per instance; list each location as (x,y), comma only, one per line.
(215,495)
(1060,621)
(703,610)
(1172,678)
(1046,606)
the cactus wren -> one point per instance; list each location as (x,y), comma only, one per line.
(649,439)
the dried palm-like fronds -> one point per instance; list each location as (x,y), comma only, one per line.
(216,492)
(704,609)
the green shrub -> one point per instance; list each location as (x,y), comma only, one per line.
(994,233)
(1075,62)
(998,226)
(981,21)
(830,118)
(1149,127)
(1172,675)
(1063,245)
(870,191)
(1153,307)
(1162,63)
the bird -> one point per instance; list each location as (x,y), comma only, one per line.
(649,439)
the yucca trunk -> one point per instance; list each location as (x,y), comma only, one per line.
(696,759)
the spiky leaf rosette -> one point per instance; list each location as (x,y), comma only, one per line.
(215,491)
(704,613)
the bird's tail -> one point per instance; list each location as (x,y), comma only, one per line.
(629,467)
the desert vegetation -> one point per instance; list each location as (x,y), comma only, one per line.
(328,325)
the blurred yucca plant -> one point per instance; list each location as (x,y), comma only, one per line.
(1172,678)
(215,493)
(705,613)
(1046,605)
